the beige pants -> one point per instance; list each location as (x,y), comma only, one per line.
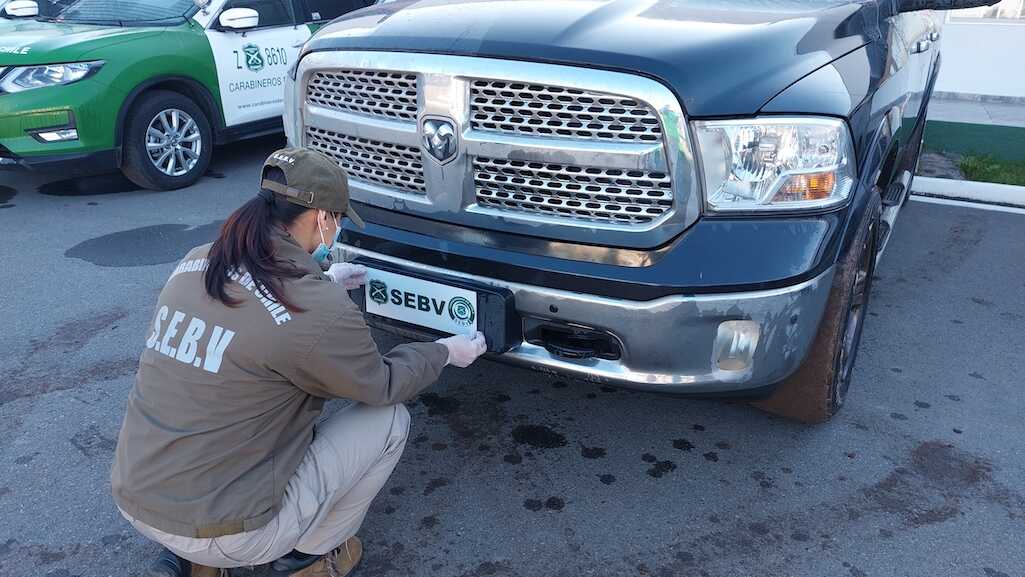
(349,461)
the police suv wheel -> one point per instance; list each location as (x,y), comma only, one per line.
(168,141)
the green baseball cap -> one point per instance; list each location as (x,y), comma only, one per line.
(312,179)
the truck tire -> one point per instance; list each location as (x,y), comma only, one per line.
(819,387)
(168,141)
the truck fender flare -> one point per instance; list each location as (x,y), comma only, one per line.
(183,84)
(880,153)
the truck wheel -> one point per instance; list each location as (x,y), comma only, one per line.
(168,141)
(819,387)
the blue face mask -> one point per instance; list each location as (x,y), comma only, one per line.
(323,252)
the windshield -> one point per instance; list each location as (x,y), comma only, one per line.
(125,11)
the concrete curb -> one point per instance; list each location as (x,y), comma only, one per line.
(1002,194)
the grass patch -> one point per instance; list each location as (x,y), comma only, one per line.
(990,169)
(999,142)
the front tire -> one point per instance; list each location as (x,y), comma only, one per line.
(819,388)
(168,141)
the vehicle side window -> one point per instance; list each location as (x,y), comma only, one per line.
(272,12)
(321,10)
(50,7)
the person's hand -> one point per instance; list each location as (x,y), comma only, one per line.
(464,349)
(350,276)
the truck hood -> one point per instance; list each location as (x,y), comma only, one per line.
(25,42)
(720,57)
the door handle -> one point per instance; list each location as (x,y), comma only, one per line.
(921,46)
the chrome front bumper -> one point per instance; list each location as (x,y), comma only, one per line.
(668,344)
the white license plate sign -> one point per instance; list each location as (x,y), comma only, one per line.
(421,302)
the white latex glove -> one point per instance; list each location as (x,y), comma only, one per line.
(464,349)
(350,276)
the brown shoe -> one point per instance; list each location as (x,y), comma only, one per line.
(337,563)
(204,571)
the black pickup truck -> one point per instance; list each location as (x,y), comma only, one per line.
(668,195)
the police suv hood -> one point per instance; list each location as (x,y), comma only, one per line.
(25,42)
(720,57)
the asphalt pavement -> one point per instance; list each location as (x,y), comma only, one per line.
(509,472)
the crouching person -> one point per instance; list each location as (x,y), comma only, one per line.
(219,459)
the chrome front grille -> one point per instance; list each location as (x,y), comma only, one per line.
(390,165)
(539,149)
(593,194)
(369,92)
(557,112)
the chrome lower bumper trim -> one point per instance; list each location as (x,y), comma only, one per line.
(668,343)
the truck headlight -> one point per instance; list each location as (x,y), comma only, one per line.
(28,77)
(775,163)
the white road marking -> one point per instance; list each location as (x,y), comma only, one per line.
(967,204)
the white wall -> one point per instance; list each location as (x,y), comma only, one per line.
(983,58)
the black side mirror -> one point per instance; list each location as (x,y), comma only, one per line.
(916,5)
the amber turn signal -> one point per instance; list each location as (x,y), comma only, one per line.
(801,187)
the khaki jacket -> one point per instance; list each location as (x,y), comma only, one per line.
(225,398)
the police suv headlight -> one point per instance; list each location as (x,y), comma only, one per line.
(775,163)
(29,77)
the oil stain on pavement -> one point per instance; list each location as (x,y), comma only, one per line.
(932,489)
(471,415)
(148,245)
(935,484)
(92,442)
(538,436)
(438,405)
(552,504)
(435,484)
(658,468)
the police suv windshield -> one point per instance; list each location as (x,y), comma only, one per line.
(125,12)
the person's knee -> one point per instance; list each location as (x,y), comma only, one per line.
(399,428)
(381,426)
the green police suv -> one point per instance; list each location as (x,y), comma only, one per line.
(147,86)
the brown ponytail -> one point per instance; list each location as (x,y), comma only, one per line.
(244,244)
